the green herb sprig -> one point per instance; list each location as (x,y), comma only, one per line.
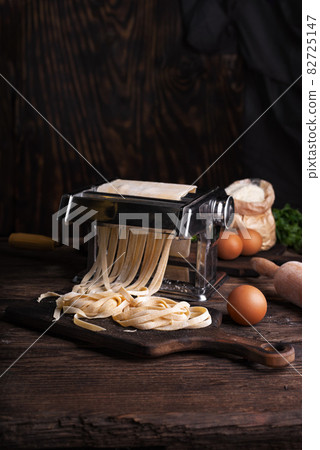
(289,227)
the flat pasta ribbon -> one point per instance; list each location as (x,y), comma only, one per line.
(109,289)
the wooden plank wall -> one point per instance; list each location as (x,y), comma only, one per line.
(119,82)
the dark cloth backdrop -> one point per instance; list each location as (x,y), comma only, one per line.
(267,35)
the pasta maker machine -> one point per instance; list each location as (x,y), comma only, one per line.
(195,218)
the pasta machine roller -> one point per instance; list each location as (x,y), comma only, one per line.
(194,217)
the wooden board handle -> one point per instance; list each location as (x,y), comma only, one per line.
(277,355)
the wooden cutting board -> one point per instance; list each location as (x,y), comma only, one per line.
(151,343)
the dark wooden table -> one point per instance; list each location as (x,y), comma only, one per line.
(66,394)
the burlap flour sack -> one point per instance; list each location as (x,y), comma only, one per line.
(255,215)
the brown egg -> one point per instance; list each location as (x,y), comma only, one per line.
(229,245)
(251,241)
(247,305)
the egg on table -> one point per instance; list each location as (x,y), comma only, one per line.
(247,305)
(229,245)
(251,241)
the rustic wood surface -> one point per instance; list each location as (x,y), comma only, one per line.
(117,79)
(64,394)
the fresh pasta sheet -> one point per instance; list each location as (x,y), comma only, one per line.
(168,191)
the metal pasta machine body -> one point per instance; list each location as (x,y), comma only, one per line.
(195,219)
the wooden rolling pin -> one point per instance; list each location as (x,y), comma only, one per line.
(31,241)
(287,279)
